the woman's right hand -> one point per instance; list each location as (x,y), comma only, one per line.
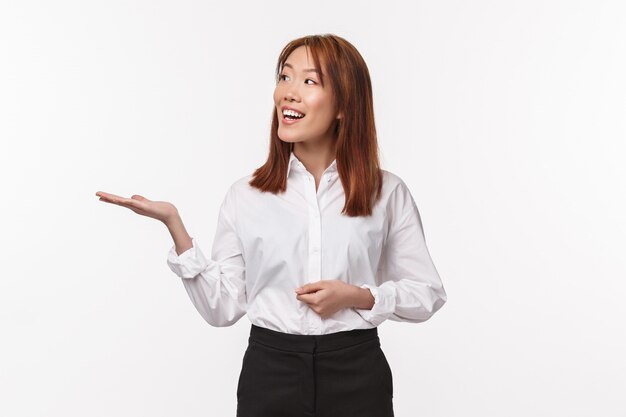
(160,210)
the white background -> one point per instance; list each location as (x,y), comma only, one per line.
(505,119)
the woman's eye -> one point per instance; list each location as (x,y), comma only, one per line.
(282,77)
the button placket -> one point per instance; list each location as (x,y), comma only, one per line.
(314,247)
(315,238)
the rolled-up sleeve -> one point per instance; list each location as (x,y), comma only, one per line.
(216,285)
(410,289)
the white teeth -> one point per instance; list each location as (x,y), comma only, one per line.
(292,113)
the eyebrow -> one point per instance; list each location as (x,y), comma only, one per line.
(305,70)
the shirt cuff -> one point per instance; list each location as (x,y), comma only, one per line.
(189,263)
(384,304)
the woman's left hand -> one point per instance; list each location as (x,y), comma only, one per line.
(326,297)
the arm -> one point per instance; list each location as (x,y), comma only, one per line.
(216,286)
(182,240)
(410,289)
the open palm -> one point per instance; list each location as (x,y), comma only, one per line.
(160,210)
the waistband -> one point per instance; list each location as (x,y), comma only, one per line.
(311,343)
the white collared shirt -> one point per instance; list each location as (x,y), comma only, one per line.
(267,245)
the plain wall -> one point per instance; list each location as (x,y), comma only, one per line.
(505,119)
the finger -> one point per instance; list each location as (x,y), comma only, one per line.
(107,195)
(115,199)
(130,204)
(110,198)
(125,202)
(139,197)
(307,298)
(137,210)
(308,288)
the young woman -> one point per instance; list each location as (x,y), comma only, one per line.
(317,247)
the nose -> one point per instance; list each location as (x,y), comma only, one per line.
(291,93)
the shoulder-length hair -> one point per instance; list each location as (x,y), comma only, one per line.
(356,150)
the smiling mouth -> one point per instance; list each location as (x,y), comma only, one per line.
(290,114)
(292,118)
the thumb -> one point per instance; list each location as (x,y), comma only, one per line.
(139,197)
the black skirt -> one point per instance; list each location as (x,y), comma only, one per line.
(339,374)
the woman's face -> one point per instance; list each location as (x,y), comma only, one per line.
(300,89)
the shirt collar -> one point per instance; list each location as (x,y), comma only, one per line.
(295,162)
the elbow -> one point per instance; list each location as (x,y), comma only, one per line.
(217,306)
(224,312)
(423,310)
(222,321)
(438,300)
(223,317)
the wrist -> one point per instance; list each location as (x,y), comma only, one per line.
(362,298)
(173,221)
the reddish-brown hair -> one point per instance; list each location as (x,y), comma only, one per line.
(356,149)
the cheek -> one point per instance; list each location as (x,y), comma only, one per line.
(321,104)
(276,95)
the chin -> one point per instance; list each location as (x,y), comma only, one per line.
(286,137)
